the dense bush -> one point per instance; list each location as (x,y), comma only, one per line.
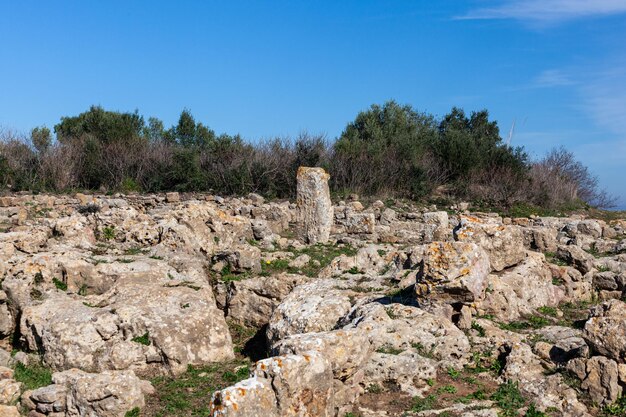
(388,150)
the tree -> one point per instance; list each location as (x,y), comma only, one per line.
(383,149)
(102,125)
(41,138)
(189,133)
(154,131)
(468,146)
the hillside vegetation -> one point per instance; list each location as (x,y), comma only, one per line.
(388,150)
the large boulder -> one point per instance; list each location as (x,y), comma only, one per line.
(286,386)
(78,393)
(151,316)
(522,366)
(599,376)
(605,330)
(521,290)
(316,306)
(503,243)
(346,350)
(252,301)
(452,272)
(404,328)
(315,210)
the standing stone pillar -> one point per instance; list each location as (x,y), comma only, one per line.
(314,208)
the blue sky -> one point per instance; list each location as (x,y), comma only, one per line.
(555,68)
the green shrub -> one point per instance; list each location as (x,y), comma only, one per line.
(144,339)
(32,376)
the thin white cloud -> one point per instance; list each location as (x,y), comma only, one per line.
(604,97)
(552,78)
(547,10)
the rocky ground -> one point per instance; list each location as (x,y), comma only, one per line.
(199,305)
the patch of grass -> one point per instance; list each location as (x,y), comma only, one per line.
(450,389)
(108,232)
(533,412)
(478,328)
(603,268)
(59,284)
(453,373)
(354,270)
(276,266)
(422,351)
(390,350)
(381,252)
(135,251)
(159,258)
(144,339)
(188,394)
(421,404)
(554,259)
(98,261)
(374,389)
(124,260)
(618,408)
(392,315)
(508,398)
(82,291)
(574,313)
(479,394)
(321,256)
(33,376)
(548,311)
(135,412)
(532,322)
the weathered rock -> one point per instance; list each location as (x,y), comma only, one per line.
(521,290)
(9,391)
(401,327)
(599,376)
(172,197)
(166,308)
(605,330)
(252,301)
(346,350)
(286,386)
(315,210)
(312,307)
(408,371)
(77,393)
(9,411)
(504,244)
(548,391)
(453,271)
(243,259)
(576,257)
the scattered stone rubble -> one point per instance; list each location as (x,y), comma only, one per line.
(105,290)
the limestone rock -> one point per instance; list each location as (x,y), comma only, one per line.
(9,391)
(605,330)
(453,271)
(286,386)
(252,301)
(521,290)
(504,244)
(315,210)
(401,327)
(312,307)
(601,380)
(346,350)
(74,393)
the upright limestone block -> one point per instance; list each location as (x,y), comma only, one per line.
(315,210)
